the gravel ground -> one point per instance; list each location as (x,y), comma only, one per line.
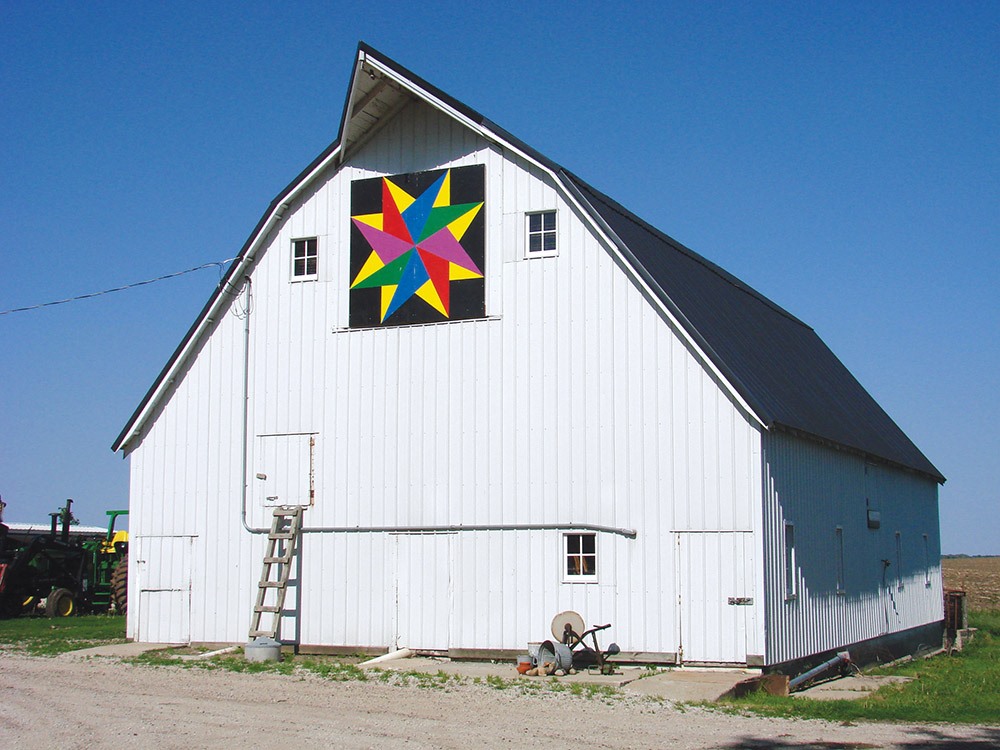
(103,703)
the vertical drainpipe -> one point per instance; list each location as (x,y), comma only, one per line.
(245,427)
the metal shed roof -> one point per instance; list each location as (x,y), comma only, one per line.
(778,364)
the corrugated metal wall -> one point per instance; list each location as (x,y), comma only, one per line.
(572,403)
(819,490)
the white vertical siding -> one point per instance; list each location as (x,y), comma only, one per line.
(817,490)
(574,402)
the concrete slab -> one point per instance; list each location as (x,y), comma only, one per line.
(849,688)
(689,685)
(116,650)
(675,684)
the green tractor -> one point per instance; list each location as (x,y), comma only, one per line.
(108,565)
(62,574)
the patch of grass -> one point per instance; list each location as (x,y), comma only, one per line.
(960,688)
(497,683)
(338,671)
(41,636)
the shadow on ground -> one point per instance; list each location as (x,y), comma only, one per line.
(975,738)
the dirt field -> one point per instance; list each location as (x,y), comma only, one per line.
(979,577)
(67,703)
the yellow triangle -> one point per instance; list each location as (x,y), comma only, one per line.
(457,273)
(429,294)
(387,292)
(400,197)
(372,220)
(444,194)
(371,265)
(459,226)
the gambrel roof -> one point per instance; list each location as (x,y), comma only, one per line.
(773,363)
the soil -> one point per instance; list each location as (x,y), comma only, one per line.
(103,703)
(979,577)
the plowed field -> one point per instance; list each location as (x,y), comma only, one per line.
(979,577)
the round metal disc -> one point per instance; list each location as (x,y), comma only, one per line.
(560,621)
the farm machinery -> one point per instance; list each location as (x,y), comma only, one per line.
(62,573)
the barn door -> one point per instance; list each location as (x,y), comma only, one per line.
(163,568)
(424,596)
(715,584)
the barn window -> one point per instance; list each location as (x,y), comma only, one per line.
(840,560)
(789,561)
(304,258)
(581,557)
(542,234)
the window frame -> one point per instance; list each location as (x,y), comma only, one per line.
(296,277)
(839,551)
(899,561)
(541,232)
(569,577)
(927,562)
(791,588)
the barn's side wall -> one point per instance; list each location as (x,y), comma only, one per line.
(573,403)
(819,490)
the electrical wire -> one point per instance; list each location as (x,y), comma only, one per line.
(220,263)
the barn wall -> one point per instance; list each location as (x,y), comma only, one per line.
(817,490)
(573,402)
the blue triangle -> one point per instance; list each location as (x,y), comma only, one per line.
(413,277)
(416,213)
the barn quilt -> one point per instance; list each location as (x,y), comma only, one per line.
(418,248)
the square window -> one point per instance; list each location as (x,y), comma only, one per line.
(581,557)
(542,234)
(305,257)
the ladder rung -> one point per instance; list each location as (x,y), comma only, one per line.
(272,584)
(281,535)
(286,512)
(277,560)
(255,633)
(266,608)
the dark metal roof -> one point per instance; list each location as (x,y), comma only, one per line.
(777,363)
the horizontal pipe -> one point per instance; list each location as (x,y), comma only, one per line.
(630,533)
(844,657)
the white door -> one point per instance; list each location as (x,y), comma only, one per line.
(284,469)
(163,568)
(716,600)
(424,596)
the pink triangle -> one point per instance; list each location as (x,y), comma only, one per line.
(387,246)
(443,244)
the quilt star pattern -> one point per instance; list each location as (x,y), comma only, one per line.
(417,248)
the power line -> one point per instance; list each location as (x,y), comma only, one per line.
(219,263)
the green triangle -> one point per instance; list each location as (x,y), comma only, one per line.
(443,216)
(388,275)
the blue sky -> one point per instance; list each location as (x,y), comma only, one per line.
(841,158)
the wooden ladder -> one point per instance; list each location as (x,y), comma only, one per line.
(282,540)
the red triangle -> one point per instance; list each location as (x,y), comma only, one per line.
(392,220)
(437,269)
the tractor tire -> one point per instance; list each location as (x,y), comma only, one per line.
(60,603)
(119,585)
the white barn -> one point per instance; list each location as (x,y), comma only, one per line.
(499,395)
